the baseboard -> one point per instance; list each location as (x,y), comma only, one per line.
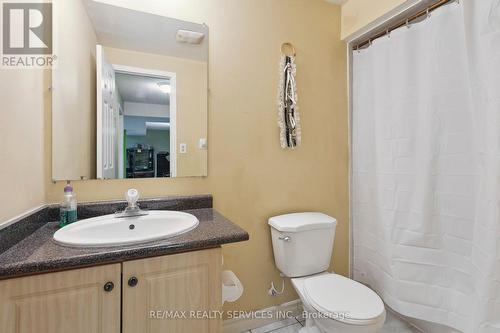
(238,325)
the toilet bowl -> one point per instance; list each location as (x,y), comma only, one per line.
(302,246)
(333,303)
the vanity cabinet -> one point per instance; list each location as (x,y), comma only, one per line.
(149,296)
(71,301)
(176,293)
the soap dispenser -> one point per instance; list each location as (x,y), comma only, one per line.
(68,208)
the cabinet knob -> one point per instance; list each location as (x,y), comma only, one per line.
(109,286)
(132,282)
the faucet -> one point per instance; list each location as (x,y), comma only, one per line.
(132,209)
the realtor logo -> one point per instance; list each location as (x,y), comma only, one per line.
(27,35)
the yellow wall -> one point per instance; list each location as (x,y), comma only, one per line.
(22,140)
(358,13)
(250,176)
(75,88)
(191,77)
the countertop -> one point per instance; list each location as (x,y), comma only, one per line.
(38,253)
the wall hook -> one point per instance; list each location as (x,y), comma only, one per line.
(288,49)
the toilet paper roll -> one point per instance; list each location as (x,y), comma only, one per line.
(232,289)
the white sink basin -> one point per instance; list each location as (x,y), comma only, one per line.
(104,231)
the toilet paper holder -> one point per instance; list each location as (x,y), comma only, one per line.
(232,288)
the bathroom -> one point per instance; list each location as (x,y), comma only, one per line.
(233,167)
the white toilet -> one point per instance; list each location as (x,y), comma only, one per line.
(303,245)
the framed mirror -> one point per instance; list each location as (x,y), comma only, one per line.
(129,95)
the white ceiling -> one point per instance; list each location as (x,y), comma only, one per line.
(128,29)
(141,89)
(337,2)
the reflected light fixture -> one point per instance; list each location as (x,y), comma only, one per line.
(165,87)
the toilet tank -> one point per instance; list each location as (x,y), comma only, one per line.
(302,242)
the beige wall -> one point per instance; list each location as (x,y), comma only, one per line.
(358,13)
(22,138)
(74,115)
(191,77)
(250,177)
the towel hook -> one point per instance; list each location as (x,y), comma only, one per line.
(286,48)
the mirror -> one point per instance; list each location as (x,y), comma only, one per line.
(129,94)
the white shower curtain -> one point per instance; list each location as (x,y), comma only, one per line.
(426,167)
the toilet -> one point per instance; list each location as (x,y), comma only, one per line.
(303,245)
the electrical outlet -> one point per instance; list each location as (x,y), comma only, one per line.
(183,148)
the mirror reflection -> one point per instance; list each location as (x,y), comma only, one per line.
(146,125)
(133,103)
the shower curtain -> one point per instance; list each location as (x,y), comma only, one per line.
(426,167)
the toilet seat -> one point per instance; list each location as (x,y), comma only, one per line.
(342,299)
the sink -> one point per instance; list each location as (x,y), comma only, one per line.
(108,230)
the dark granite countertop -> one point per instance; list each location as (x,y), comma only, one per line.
(38,253)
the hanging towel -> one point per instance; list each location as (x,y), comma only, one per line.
(288,116)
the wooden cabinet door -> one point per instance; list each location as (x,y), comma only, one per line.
(169,286)
(72,301)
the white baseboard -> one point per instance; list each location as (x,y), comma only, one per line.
(238,325)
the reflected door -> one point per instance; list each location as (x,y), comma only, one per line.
(107,118)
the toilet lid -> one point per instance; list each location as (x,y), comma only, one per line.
(344,299)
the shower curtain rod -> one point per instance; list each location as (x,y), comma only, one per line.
(406,21)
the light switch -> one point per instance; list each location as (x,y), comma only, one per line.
(203,143)
(183,148)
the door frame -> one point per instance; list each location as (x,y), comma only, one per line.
(172,77)
(119,136)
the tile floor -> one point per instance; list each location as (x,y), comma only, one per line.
(393,324)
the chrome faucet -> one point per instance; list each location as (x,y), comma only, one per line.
(132,209)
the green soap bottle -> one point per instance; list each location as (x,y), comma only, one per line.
(68,208)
